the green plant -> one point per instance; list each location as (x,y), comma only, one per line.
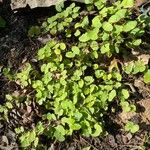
(34,31)
(135,67)
(139,66)
(132,127)
(60,5)
(147,76)
(73,85)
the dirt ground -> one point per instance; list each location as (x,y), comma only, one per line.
(16,47)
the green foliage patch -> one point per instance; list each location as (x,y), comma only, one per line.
(73,84)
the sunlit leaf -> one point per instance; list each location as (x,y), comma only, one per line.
(147,77)
(112,95)
(129,26)
(107,26)
(127,3)
(125,93)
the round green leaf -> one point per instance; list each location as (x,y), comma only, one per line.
(105,48)
(94,45)
(84,38)
(75,50)
(107,26)
(127,3)
(88,1)
(118,15)
(147,77)
(137,42)
(9,105)
(113,19)
(125,93)
(93,34)
(132,127)
(70,54)
(96,22)
(62,46)
(85,22)
(77,33)
(129,68)
(129,26)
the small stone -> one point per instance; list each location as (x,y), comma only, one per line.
(5,139)
(16,4)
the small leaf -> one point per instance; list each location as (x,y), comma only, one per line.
(62,46)
(70,54)
(75,50)
(98,130)
(93,34)
(113,19)
(105,36)
(139,66)
(128,69)
(88,1)
(57,51)
(94,45)
(135,128)
(105,48)
(127,3)
(118,15)
(96,22)
(107,26)
(112,95)
(59,133)
(85,22)
(84,38)
(76,9)
(34,31)
(99,4)
(9,105)
(59,6)
(77,33)
(118,29)
(118,76)
(88,79)
(129,26)
(125,106)
(125,93)
(27,138)
(99,73)
(132,127)
(121,13)
(81,83)
(147,77)
(78,116)
(9,97)
(36,141)
(95,54)
(137,42)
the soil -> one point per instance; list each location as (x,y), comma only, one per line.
(16,47)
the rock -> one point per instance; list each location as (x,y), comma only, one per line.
(16,4)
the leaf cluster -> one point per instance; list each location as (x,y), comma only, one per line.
(73,85)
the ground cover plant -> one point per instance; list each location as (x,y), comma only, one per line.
(76,75)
